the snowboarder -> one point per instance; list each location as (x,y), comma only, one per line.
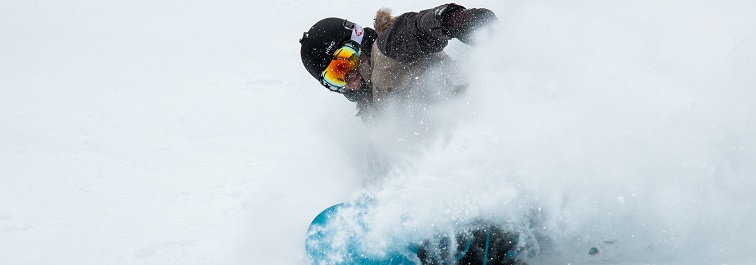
(369,65)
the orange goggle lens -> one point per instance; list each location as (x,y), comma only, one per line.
(345,59)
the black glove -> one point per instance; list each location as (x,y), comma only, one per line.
(459,22)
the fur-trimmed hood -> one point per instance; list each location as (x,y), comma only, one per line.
(383,20)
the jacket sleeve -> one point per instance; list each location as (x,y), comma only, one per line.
(415,35)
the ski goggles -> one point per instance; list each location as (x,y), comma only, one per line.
(345,60)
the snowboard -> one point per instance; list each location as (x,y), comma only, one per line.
(337,236)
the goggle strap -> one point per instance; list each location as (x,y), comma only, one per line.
(357,34)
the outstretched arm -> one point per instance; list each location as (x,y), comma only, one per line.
(416,34)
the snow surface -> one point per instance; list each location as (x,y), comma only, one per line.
(187,132)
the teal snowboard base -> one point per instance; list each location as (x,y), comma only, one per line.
(337,237)
(333,238)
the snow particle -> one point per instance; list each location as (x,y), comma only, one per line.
(593,251)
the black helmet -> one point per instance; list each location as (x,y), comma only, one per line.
(322,40)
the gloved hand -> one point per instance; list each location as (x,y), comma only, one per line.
(459,22)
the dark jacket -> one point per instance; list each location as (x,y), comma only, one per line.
(406,48)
